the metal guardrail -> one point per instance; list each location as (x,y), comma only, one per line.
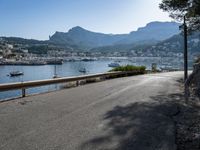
(30,84)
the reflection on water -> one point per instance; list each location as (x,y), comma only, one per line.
(68,69)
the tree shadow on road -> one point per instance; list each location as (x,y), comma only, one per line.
(140,126)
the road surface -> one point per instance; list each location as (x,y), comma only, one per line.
(119,114)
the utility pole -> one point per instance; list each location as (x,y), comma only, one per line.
(185,50)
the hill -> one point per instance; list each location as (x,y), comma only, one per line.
(152,32)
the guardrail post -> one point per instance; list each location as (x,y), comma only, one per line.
(77,83)
(23,92)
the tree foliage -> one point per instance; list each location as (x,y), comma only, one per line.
(140,69)
(180,8)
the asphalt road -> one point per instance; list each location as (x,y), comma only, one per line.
(130,113)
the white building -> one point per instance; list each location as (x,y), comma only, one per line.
(10,46)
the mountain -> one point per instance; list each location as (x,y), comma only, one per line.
(172,46)
(18,40)
(175,44)
(152,32)
(84,38)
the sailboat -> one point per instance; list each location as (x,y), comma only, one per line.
(15,73)
(55,73)
(55,69)
(82,70)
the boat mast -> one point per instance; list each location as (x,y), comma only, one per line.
(55,74)
(55,71)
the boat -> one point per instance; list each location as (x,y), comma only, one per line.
(88,59)
(55,73)
(83,70)
(55,76)
(113,65)
(16,73)
(117,61)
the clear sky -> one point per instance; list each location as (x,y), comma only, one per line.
(40,18)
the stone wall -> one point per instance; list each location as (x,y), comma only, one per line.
(195,80)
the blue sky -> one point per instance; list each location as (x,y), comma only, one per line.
(40,18)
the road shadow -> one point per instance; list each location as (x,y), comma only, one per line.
(140,125)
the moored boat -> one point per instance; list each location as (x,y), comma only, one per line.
(113,65)
(16,73)
(83,70)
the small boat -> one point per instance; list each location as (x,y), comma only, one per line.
(16,73)
(117,61)
(55,76)
(88,59)
(83,70)
(113,65)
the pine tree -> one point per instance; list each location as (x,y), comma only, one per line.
(180,8)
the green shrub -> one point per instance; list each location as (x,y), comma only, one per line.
(130,68)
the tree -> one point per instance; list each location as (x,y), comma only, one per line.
(180,8)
